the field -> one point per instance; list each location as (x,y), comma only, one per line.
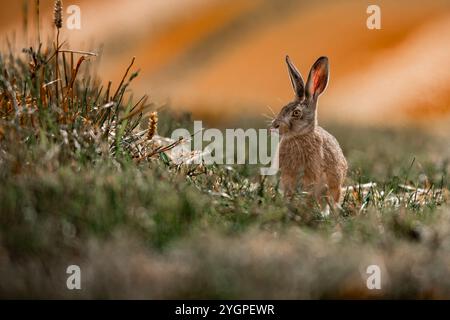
(151,229)
(82,181)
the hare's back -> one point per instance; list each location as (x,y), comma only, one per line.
(334,157)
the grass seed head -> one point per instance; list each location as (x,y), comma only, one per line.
(152,125)
(57,14)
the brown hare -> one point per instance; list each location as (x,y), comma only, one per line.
(309,156)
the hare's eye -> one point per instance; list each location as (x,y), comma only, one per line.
(296,113)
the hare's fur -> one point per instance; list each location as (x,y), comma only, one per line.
(315,160)
(309,156)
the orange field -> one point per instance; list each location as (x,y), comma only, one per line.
(221,59)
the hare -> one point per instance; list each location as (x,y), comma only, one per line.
(309,155)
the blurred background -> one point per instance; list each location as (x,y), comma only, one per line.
(224,60)
(147,229)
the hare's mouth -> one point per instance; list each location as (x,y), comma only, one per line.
(280,126)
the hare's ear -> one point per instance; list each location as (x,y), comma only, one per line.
(318,78)
(296,78)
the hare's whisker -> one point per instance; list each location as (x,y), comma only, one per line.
(266,116)
(271,110)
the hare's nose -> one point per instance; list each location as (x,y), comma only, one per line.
(276,124)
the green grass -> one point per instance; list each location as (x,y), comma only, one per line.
(159,231)
(72,191)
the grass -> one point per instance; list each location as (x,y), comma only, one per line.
(81,183)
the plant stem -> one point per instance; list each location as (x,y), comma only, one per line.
(38,23)
(57,66)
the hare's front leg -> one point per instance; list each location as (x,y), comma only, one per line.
(288,184)
(316,185)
